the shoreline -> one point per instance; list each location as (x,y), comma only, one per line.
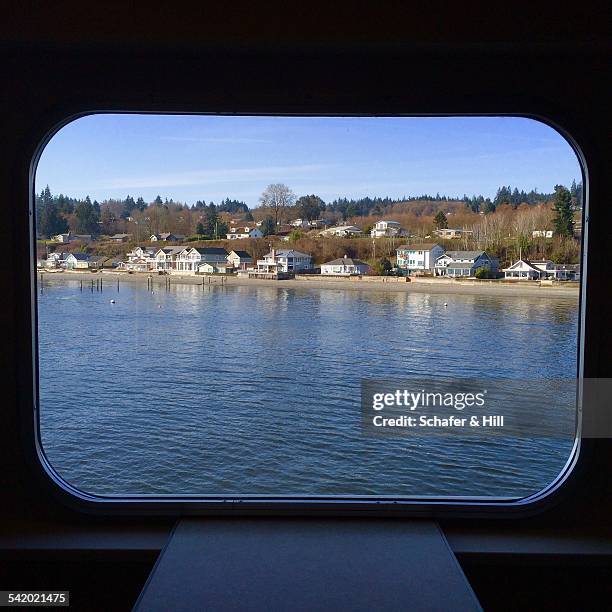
(434,286)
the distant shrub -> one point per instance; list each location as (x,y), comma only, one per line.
(482,273)
(383,267)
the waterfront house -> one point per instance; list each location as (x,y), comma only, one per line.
(464,263)
(77,261)
(523,269)
(241,232)
(451,233)
(567,272)
(240,260)
(342,231)
(300,223)
(140,259)
(284,260)
(344,266)
(189,260)
(383,229)
(418,257)
(56,260)
(215,268)
(557,271)
(166,257)
(141,252)
(96,262)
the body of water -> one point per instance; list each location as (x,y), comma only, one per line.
(256,389)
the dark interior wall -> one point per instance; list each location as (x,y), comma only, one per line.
(380,65)
(274,22)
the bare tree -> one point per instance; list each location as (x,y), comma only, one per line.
(277,197)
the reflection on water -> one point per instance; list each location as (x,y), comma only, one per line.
(256,390)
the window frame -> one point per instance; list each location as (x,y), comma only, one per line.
(453,507)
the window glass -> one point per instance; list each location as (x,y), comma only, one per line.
(189,341)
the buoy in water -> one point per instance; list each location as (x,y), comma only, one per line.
(445,304)
(112,301)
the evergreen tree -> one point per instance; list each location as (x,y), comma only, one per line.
(248,216)
(140,204)
(50,222)
(158,201)
(564,212)
(268,226)
(211,221)
(200,229)
(87,220)
(488,206)
(440,220)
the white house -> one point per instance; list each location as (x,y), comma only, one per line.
(77,261)
(284,260)
(56,260)
(567,272)
(215,268)
(240,260)
(345,266)
(244,231)
(387,228)
(63,238)
(343,231)
(189,259)
(523,269)
(542,234)
(418,257)
(166,257)
(464,263)
(542,269)
(144,255)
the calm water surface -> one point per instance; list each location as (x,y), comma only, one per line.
(256,390)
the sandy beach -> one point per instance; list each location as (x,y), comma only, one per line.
(424,285)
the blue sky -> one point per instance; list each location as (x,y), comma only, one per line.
(197,157)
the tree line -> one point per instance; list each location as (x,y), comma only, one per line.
(57,214)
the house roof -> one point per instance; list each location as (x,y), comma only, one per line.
(211,251)
(349,261)
(464,254)
(80,256)
(424,246)
(460,266)
(242,254)
(120,235)
(288,253)
(573,267)
(523,261)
